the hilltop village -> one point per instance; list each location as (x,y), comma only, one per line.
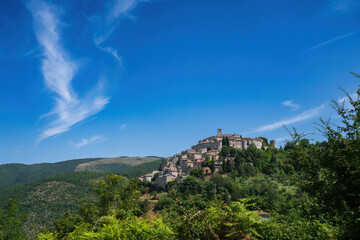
(181,164)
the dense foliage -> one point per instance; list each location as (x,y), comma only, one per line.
(308,190)
(50,198)
(20,173)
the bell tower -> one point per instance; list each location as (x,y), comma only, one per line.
(219,131)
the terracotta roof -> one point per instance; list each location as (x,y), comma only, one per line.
(226,135)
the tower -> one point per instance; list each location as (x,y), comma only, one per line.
(273,143)
(219,131)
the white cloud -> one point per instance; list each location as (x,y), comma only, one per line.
(121,8)
(58,71)
(118,9)
(299,118)
(332,40)
(282,139)
(87,141)
(113,52)
(289,103)
(123,126)
(342,6)
(353,96)
(346,101)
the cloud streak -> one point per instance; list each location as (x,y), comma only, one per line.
(332,40)
(353,96)
(282,139)
(289,103)
(58,71)
(123,126)
(87,141)
(342,6)
(118,9)
(299,118)
(345,101)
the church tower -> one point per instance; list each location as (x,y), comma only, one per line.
(219,131)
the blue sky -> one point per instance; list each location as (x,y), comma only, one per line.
(110,78)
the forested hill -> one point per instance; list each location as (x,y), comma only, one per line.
(306,190)
(21,173)
(49,198)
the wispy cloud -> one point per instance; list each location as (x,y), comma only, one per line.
(299,118)
(332,40)
(112,52)
(346,101)
(342,6)
(353,96)
(123,126)
(282,139)
(87,141)
(289,103)
(58,71)
(117,10)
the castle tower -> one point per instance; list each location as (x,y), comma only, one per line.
(273,143)
(219,131)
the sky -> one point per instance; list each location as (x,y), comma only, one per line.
(109,78)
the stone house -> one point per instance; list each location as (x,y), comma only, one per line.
(180,165)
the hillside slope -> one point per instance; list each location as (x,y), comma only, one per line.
(21,173)
(49,198)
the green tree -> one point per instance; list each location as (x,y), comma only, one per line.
(225,141)
(212,165)
(228,166)
(12,222)
(117,195)
(330,170)
(225,151)
(249,170)
(197,173)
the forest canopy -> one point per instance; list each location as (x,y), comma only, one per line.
(308,190)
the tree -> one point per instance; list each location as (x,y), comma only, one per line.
(249,169)
(228,166)
(212,165)
(225,141)
(11,222)
(197,173)
(117,194)
(330,170)
(225,151)
(237,161)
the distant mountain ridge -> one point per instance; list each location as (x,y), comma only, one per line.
(15,173)
(45,199)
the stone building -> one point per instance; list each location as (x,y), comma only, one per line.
(235,141)
(181,164)
(148,177)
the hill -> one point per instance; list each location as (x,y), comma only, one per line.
(49,198)
(21,173)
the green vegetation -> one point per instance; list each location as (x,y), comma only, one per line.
(11,222)
(20,173)
(308,190)
(49,198)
